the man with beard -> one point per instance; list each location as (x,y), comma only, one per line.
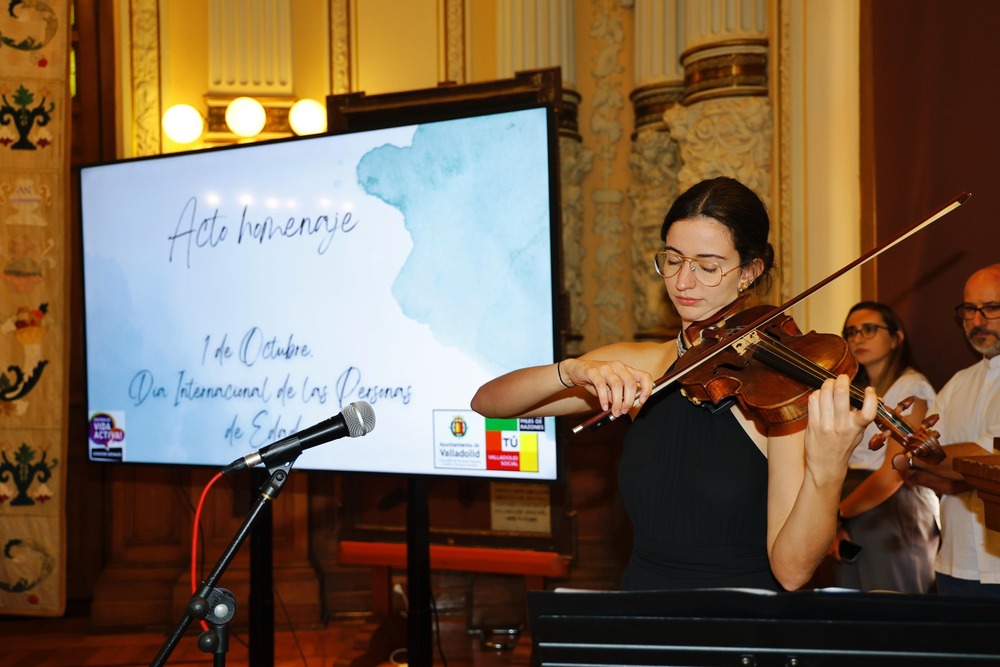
(968,562)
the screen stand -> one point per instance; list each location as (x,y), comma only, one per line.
(419,632)
(261,621)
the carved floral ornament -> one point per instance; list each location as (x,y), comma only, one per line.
(724,136)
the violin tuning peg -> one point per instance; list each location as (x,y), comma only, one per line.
(930,420)
(929,452)
(905,404)
(877,442)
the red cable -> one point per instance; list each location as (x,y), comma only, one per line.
(194,539)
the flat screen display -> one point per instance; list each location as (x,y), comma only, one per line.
(237,296)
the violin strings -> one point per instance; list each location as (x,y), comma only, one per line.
(813,372)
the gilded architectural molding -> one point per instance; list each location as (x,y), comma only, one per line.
(650,102)
(725,69)
(340,47)
(145,42)
(454,34)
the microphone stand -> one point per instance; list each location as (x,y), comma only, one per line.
(217,606)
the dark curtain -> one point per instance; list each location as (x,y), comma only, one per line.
(931,130)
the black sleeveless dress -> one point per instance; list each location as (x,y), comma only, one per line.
(694,486)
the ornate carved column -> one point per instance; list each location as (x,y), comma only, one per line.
(725,137)
(724,123)
(575,162)
(539,33)
(608,192)
(654,158)
(533,34)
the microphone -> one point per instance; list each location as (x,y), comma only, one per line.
(356,419)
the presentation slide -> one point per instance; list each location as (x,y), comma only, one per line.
(237,296)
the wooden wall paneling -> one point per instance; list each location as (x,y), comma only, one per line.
(147,579)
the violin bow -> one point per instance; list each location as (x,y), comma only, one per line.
(668,378)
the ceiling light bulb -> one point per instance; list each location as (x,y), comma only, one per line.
(307,117)
(183,123)
(245,116)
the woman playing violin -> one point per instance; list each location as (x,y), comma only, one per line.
(714,497)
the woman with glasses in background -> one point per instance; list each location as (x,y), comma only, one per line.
(895,524)
(715,499)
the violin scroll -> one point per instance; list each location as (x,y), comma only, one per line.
(878,440)
(921,443)
(924,443)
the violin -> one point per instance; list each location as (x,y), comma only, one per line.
(772,369)
(789,365)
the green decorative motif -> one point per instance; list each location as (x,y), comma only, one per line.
(14,384)
(16,11)
(23,472)
(23,117)
(13,551)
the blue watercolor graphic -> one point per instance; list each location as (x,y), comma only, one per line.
(493,201)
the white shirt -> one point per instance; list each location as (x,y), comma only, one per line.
(910,383)
(969,406)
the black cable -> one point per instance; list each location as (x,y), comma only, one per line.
(288,619)
(437,630)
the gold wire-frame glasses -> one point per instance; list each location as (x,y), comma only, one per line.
(708,272)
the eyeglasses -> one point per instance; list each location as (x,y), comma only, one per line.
(867,330)
(966,311)
(707,272)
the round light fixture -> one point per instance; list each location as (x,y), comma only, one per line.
(245,116)
(183,123)
(307,117)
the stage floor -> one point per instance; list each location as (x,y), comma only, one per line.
(69,642)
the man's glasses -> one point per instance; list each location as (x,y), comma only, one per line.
(707,272)
(966,311)
(866,331)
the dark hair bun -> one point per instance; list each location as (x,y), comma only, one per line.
(737,207)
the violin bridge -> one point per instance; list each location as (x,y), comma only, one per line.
(743,344)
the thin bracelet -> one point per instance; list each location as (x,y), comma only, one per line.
(559,373)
